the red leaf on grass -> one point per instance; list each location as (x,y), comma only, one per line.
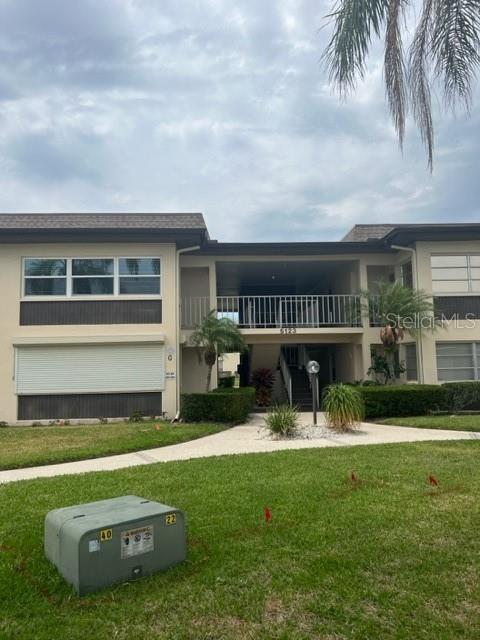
(353,477)
(432,480)
(268,514)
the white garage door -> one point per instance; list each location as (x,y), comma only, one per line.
(90,368)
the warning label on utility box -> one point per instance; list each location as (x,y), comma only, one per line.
(136,541)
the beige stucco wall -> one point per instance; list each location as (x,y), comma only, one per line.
(10,292)
(229,362)
(348,362)
(264,356)
(193,270)
(194,282)
(194,372)
(461,332)
(379,273)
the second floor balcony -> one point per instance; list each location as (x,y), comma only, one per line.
(277,312)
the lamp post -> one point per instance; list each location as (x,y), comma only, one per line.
(313,368)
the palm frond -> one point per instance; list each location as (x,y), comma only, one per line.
(355,22)
(445,46)
(456,47)
(394,66)
(392,305)
(419,81)
(218,334)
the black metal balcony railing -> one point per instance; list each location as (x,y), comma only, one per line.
(265,312)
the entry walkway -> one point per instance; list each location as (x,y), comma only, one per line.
(246,438)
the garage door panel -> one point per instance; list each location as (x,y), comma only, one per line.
(90,368)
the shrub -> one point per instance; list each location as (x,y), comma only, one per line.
(343,406)
(383,371)
(227,382)
(222,405)
(282,421)
(136,416)
(402,400)
(462,395)
(262,381)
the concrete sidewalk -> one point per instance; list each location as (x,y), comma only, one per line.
(247,438)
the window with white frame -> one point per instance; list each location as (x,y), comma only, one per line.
(72,277)
(139,276)
(411,368)
(45,277)
(458,361)
(93,276)
(455,273)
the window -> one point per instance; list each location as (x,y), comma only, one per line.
(139,275)
(72,277)
(45,277)
(92,276)
(456,273)
(411,370)
(458,361)
(407,274)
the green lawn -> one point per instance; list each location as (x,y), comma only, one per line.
(455,423)
(31,446)
(390,557)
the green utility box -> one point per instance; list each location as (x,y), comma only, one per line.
(102,543)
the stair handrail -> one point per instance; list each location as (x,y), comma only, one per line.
(287,378)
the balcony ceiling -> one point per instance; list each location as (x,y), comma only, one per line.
(277,278)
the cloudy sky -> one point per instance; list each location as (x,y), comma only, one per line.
(215,106)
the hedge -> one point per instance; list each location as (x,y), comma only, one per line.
(221,405)
(246,390)
(403,400)
(462,395)
(226,383)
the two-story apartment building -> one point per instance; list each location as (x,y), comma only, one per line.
(98,309)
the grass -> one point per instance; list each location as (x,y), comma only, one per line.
(385,557)
(454,423)
(31,446)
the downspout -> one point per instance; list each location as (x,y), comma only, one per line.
(177,324)
(415,275)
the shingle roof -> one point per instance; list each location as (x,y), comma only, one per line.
(365,232)
(67,221)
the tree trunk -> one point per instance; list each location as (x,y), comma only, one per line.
(209,376)
(390,357)
(210,358)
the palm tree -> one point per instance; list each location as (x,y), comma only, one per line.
(396,310)
(214,337)
(445,46)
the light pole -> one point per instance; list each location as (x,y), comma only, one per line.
(313,368)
